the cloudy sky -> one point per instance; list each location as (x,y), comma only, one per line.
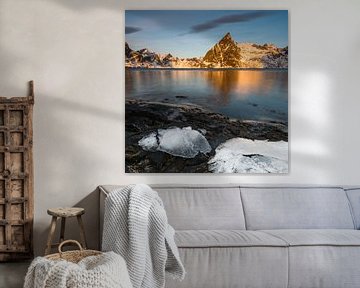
(190,33)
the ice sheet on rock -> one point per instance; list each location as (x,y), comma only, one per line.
(149,142)
(182,142)
(240,155)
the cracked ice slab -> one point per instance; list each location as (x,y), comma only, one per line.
(182,142)
(240,155)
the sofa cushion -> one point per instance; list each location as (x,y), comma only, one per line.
(191,207)
(324,266)
(226,238)
(322,258)
(296,208)
(223,267)
(204,208)
(317,237)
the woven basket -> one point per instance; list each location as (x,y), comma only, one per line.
(72,256)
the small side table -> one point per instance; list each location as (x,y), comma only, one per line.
(64,213)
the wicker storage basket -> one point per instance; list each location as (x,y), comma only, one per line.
(72,256)
(108,269)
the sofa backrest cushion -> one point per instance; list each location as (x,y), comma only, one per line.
(354,198)
(296,208)
(203,208)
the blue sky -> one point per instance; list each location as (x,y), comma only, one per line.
(190,33)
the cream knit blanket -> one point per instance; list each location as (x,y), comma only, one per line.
(103,271)
(136,227)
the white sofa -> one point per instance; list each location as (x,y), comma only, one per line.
(264,237)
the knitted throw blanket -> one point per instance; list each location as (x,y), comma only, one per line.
(136,227)
(103,271)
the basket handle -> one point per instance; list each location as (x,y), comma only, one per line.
(69,241)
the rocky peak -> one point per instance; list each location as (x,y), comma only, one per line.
(128,50)
(226,38)
(225,53)
(227,42)
(144,51)
(168,58)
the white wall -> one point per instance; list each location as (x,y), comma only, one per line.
(73,50)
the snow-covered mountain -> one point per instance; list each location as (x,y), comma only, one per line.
(263,56)
(227,53)
(145,58)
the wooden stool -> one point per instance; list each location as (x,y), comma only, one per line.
(64,213)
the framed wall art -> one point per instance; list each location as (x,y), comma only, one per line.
(206,91)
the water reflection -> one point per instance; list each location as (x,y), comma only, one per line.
(239,83)
(245,94)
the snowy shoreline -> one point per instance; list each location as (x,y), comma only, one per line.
(148,123)
(237,155)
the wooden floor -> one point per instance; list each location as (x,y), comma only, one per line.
(12,274)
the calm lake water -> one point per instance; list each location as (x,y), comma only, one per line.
(242,94)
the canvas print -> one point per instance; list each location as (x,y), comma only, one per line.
(206,91)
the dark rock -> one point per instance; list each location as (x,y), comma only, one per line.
(167,59)
(127,50)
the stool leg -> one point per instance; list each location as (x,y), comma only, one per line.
(62,230)
(82,232)
(51,235)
